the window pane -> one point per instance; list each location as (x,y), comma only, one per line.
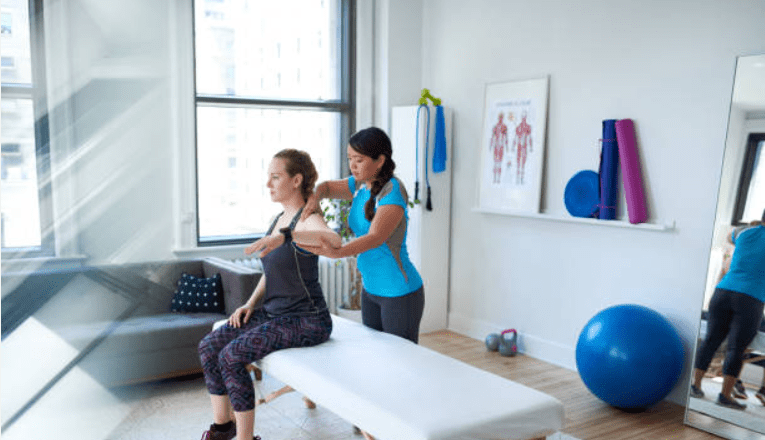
(18,170)
(234,148)
(14,43)
(268,49)
(755,198)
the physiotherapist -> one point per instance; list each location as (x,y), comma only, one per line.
(735,312)
(392,299)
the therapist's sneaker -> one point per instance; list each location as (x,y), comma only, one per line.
(214,434)
(696,392)
(761,395)
(729,403)
(739,391)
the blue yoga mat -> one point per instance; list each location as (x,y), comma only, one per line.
(609,168)
(582,194)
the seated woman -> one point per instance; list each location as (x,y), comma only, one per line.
(293,311)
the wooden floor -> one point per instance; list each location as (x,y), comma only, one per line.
(587,417)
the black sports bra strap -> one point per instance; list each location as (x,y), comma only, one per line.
(296,218)
(292,224)
(273,225)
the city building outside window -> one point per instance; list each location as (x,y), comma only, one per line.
(25,209)
(269,76)
(6,22)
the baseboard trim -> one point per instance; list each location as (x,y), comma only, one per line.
(530,345)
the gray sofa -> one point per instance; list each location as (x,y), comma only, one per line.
(118,316)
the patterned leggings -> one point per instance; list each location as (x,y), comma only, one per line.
(226,352)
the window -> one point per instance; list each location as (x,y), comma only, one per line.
(266,80)
(750,201)
(25,214)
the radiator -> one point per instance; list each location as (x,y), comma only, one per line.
(338,279)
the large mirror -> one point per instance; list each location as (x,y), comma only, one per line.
(720,401)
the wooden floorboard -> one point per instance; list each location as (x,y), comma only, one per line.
(587,417)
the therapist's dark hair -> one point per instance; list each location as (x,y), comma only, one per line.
(373,142)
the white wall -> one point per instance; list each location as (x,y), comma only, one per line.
(398,57)
(668,66)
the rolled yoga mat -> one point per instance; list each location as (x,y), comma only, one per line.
(631,174)
(609,168)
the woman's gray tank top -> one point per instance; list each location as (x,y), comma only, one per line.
(292,279)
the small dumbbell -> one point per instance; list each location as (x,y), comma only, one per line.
(508,342)
(492,341)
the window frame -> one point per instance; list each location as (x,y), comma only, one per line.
(747,171)
(36,92)
(345,106)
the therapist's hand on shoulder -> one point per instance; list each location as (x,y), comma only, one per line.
(325,248)
(311,207)
(265,245)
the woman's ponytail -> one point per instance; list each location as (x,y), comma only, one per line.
(382,178)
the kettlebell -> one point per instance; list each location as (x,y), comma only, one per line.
(492,341)
(508,342)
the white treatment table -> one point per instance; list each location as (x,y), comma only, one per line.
(397,390)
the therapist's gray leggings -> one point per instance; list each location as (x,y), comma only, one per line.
(399,315)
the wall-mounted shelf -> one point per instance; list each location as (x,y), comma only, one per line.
(590,221)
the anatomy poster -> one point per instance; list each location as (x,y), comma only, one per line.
(512,147)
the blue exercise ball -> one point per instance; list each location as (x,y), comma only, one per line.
(629,356)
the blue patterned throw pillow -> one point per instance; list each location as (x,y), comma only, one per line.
(194,294)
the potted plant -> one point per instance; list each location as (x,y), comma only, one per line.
(336,215)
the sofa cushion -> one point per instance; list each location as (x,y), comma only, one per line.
(145,347)
(150,284)
(126,331)
(238,281)
(195,294)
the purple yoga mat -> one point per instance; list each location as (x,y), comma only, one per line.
(631,174)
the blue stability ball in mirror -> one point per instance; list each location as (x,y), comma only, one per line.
(629,356)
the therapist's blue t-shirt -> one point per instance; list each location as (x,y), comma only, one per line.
(747,267)
(385,270)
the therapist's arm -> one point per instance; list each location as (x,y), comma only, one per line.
(384,222)
(330,189)
(313,231)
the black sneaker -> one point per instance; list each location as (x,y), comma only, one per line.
(761,395)
(214,434)
(696,392)
(739,391)
(729,403)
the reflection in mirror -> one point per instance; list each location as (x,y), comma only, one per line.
(727,392)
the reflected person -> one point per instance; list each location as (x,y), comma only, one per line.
(735,312)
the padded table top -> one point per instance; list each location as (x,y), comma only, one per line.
(395,389)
